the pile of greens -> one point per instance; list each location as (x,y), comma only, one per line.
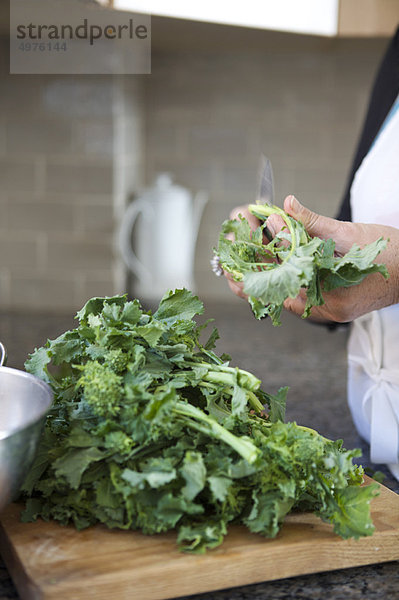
(151,430)
(293,260)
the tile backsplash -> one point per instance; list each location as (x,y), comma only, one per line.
(64,167)
(210,115)
(72,150)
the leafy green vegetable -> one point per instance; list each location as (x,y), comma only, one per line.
(151,430)
(292,260)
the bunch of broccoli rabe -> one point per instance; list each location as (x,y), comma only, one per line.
(292,260)
(151,430)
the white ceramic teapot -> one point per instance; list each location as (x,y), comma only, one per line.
(164,237)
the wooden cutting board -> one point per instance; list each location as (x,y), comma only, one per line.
(51,562)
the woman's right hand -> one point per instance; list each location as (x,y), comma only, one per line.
(342,304)
(347,303)
(236,286)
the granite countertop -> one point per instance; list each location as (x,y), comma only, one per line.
(307,358)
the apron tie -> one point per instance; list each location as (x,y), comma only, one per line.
(380,402)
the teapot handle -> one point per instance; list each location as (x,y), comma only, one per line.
(200,202)
(134,209)
(3,355)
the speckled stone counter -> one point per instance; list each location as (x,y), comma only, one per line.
(312,362)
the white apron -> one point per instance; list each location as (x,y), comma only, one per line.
(373,350)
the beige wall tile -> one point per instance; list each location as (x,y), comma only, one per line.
(93,137)
(78,178)
(40,216)
(165,140)
(5,292)
(227,140)
(24,134)
(38,292)
(3,212)
(19,95)
(70,152)
(94,218)
(15,251)
(80,253)
(17,174)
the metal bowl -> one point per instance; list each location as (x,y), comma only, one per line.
(24,402)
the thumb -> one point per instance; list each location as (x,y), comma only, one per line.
(315,225)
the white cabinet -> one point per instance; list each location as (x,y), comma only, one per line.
(332,18)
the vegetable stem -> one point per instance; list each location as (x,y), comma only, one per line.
(264,210)
(242,446)
(228,375)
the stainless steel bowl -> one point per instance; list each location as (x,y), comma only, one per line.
(24,402)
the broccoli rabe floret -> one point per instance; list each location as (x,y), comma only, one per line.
(102,388)
(117,360)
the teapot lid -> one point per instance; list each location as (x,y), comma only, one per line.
(163,181)
(163,186)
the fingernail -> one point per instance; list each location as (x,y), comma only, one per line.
(294,204)
(268,233)
(270,228)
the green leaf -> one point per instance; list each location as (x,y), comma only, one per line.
(219,487)
(378,476)
(277,405)
(361,258)
(200,537)
(154,478)
(40,463)
(178,305)
(74,462)
(239,227)
(238,400)
(80,438)
(67,348)
(33,509)
(173,508)
(94,306)
(258,308)
(351,511)
(105,494)
(131,312)
(267,513)
(211,343)
(151,332)
(194,473)
(280,281)
(37,363)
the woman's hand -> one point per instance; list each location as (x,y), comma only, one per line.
(342,304)
(345,304)
(236,287)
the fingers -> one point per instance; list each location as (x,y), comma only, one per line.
(296,305)
(274,224)
(315,225)
(238,210)
(244,212)
(236,287)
